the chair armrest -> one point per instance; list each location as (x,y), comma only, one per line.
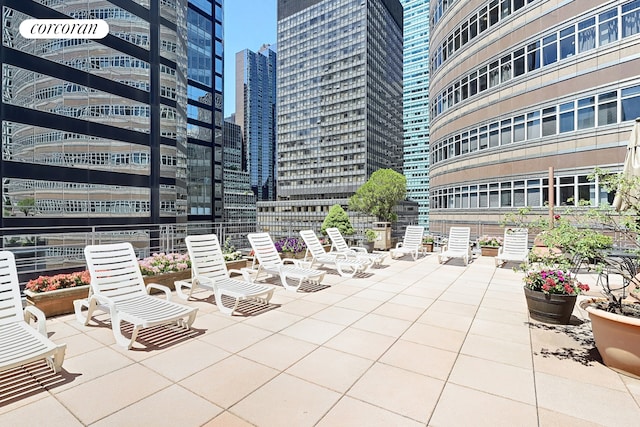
(290,261)
(166,290)
(249,274)
(358,249)
(33,312)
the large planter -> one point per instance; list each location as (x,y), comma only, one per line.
(168,279)
(489,250)
(428,247)
(617,338)
(55,303)
(294,255)
(550,308)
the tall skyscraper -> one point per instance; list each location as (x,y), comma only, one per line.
(339,104)
(256,115)
(416,104)
(204,111)
(239,200)
(518,87)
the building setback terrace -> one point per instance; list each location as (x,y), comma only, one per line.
(411,343)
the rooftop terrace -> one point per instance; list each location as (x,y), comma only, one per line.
(413,343)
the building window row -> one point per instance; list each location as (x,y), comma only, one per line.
(480,21)
(606,108)
(588,34)
(570,190)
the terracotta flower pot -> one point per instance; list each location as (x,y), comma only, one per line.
(550,308)
(617,338)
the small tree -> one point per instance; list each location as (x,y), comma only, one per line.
(379,195)
(338,218)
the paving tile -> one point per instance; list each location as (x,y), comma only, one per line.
(549,418)
(496,378)
(229,380)
(313,330)
(361,343)
(278,351)
(178,362)
(456,322)
(514,333)
(616,409)
(462,406)
(419,358)
(329,368)
(286,400)
(399,311)
(302,307)
(502,316)
(375,294)
(454,307)
(434,336)
(397,390)
(110,393)
(353,412)
(323,297)
(274,320)
(498,350)
(46,411)
(382,325)
(93,364)
(170,407)
(339,315)
(227,419)
(361,304)
(236,337)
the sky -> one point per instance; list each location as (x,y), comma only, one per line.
(248,24)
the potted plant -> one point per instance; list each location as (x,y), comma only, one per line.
(427,242)
(489,245)
(378,197)
(615,320)
(551,294)
(370,237)
(54,295)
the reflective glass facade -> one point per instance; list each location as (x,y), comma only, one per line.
(239,199)
(415,115)
(256,115)
(204,109)
(112,131)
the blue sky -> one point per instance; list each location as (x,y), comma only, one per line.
(248,24)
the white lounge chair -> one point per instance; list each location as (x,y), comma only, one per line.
(515,246)
(346,267)
(338,244)
(20,343)
(411,243)
(117,288)
(208,270)
(269,262)
(457,245)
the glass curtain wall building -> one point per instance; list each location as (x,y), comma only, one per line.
(256,115)
(116,131)
(416,104)
(239,200)
(204,111)
(518,87)
(339,103)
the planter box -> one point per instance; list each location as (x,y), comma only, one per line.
(55,303)
(428,247)
(167,279)
(296,255)
(489,250)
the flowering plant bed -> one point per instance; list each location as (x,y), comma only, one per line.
(161,263)
(54,295)
(59,281)
(554,281)
(290,247)
(493,241)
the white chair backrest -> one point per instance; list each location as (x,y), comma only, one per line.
(516,240)
(10,300)
(459,238)
(313,244)
(413,236)
(206,256)
(337,241)
(264,249)
(115,272)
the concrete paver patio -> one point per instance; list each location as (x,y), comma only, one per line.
(412,343)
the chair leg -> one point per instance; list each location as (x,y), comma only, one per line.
(224,310)
(58,358)
(91,305)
